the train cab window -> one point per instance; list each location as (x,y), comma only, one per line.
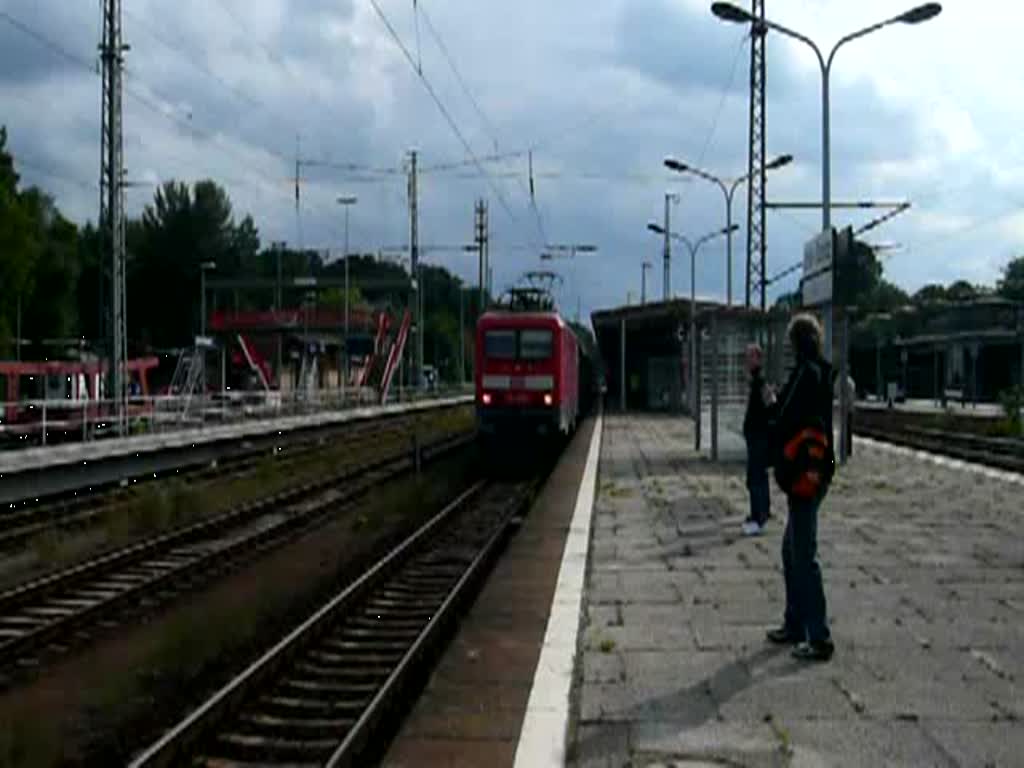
(536,344)
(500,345)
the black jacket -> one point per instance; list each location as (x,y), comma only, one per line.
(805,401)
(755,420)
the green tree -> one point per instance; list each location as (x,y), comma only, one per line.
(858,275)
(52,310)
(19,248)
(886,297)
(929,293)
(1011,285)
(178,232)
(962,290)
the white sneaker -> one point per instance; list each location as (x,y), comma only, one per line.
(751,528)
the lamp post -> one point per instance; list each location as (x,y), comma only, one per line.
(666,278)
(728,189)
(916,15)
(692,247)
(643,281)
(347,201)
(729,12)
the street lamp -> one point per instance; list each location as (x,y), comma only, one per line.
(916,15)
(666,276)
(643,281)
(727,190)
(692,247)
(733,13)
(347,201)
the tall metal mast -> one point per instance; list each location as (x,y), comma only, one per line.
(756,235)
(414,264)
(112,204)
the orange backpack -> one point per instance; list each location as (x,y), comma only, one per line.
(811,463)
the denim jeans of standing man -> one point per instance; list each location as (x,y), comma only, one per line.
(805,594)
(757,478)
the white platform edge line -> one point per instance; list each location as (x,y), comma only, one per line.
(992,473)
(545,725)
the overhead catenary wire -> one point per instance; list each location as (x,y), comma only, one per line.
(444,110)
(458,76)
(132,91)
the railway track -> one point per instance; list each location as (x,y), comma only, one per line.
(77,511)
(331,692)
(1001,453)
(50,613)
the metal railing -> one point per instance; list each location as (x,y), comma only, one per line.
(30,423)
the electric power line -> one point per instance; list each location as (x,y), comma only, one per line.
(458,76)
(444,111)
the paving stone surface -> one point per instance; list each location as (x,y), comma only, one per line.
(924,575)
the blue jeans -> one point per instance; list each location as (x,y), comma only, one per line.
(805,594)
(757,479)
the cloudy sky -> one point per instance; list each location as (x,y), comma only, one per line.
(601,91)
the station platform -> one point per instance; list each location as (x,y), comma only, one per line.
(653,652)
(63,468)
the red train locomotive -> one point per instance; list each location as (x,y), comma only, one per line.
(528,374)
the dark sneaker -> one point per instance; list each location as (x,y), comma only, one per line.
(814,651)
(784,636)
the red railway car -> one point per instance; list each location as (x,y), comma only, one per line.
(527,374)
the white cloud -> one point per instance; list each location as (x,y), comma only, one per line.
(928,113)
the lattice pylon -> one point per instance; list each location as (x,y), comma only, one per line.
(756,233)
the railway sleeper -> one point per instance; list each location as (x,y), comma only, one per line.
(275,749)
(355,675)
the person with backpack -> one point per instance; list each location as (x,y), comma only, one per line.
(756,435)
(804,460)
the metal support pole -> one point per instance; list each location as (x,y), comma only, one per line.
(826,196)
(728,246)
(17,340)
(714,386)
(698,373)
(667,254)
(879,385)
(345,373)
(462,336)
(202,300)
(843,394)
(414,263)
(478,221)
(694,402)
(622,364)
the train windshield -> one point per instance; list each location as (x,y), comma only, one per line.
(500,345)
(535,344)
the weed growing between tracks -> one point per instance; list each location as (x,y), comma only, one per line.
(114,698)
(156,507)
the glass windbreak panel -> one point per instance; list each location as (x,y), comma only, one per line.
(536,344)
(500,345)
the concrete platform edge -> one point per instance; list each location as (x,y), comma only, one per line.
(542,739)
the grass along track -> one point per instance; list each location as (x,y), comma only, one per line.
(48,614)
(164,505)
(78,510)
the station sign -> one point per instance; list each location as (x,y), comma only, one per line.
(817,280)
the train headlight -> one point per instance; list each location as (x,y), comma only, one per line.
(548,398)
(486,398)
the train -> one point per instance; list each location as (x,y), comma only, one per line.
(534,377)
